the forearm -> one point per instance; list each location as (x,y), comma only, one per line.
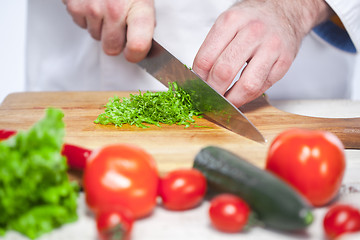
(306,14)
(301,16)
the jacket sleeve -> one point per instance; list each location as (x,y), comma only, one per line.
(344,34)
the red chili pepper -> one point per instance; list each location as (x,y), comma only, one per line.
(76,156)
(5,134)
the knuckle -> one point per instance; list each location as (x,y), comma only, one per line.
(229,17)
(202,64)
(257,28)
(250,88)
(115,12)
(284,63)
(275,43)
(73,8)
(88,10)
(222,72)
(267,84)
(279,70)
(94,11)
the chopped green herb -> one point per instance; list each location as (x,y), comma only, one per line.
(171,107)
(36,195)
(187,67)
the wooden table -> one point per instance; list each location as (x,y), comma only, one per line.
(172,146)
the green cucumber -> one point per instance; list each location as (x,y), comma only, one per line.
(276,204)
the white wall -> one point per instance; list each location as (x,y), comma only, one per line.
(12,46)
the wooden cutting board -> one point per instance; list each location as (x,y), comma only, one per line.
(172,146)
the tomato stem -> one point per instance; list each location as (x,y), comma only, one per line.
(309,218)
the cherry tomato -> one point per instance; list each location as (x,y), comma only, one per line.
(114,224)
(121,175)
(76,156)
(5,134)
(182,189)
(341,218)
(312,161)
(228,213)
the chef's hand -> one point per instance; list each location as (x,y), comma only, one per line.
(121,25)
(264,34)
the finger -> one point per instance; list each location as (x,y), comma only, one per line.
(113,30)
(94,27)
(75,9)
(231,60)
(254,80)
(216,41)
(94,13)
(280,68)
(80,21)
(94,21)
(235,55)
(140,30)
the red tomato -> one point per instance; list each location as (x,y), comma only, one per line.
(76,156)
(121,175)
(311,161)
(228,213)
(182,189)
(114,224)
(341,219)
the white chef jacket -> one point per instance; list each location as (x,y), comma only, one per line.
(61,56)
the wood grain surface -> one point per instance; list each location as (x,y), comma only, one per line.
(171,146)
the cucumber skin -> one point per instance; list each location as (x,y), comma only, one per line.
(276,204)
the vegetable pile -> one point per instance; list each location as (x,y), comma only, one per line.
(304,170)
(171,107)
(121,182)
(122,185)
(276,204)
(35,193)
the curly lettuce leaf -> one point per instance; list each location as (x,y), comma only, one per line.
(36,195)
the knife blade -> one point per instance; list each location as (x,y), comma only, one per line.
(166,68)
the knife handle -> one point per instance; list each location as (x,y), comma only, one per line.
(272,121)
(346,129)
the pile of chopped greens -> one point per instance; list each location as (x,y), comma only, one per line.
(35,193)
(171,107)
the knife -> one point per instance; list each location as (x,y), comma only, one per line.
(166,68)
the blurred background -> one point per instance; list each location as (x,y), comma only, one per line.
(12,49)
(12,46)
